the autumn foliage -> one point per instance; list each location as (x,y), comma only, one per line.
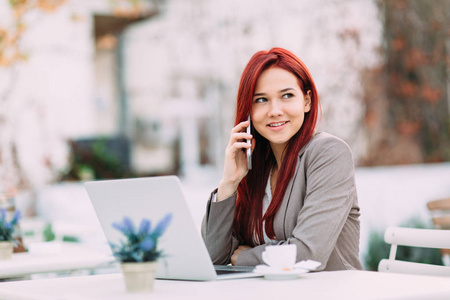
(10,36)
(407,97)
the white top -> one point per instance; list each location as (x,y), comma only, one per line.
(266,202)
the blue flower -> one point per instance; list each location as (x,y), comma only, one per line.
(144,228)
(139,245)
(162,225)
(118,226)
(146,245)
(128,225)
(7,228)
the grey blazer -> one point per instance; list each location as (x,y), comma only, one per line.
(319,212)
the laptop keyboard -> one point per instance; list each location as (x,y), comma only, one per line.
(222,272)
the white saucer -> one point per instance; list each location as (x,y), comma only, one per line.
(274,274)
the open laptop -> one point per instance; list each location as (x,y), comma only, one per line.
(185,254)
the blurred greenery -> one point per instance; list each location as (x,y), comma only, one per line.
(378,249)
(99,158)
(48,233)
(70,239)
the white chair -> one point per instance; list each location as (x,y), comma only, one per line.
(425,238)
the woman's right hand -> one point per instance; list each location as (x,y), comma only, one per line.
(235,167)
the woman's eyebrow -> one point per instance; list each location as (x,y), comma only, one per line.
(258,94)
(286,89)
(281,91)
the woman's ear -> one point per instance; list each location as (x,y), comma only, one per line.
(307,101)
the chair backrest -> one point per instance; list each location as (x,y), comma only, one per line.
(440,213)
(413,237)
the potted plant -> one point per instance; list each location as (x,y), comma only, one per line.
(139,253)
(7,241)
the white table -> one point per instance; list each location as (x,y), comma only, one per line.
(69,258)
(348,285)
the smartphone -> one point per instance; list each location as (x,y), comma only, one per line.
(249,150)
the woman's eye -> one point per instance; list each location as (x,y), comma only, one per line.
(260,100)
(288,95)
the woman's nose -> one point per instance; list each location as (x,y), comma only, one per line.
(275,109)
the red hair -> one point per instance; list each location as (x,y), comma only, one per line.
(248,216)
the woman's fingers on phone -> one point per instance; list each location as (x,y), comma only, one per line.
(242,145)
(239,132)
(239,140)
(240,136)
(240,127)
(239,146)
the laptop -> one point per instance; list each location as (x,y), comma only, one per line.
(185,253)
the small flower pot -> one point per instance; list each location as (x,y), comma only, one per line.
(6,250)
(139,276)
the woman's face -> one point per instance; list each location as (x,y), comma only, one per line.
(279,106)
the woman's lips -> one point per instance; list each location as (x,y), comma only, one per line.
(277,125)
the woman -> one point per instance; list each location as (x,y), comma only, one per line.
(301,188)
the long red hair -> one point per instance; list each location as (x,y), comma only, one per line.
(248,218)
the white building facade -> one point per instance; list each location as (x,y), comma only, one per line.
(178,76)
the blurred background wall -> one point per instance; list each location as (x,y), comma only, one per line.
(184,66)
(159,82)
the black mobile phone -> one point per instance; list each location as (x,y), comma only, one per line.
(249,150)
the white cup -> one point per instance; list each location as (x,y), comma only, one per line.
(280,256)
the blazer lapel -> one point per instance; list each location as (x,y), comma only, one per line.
(280,216)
